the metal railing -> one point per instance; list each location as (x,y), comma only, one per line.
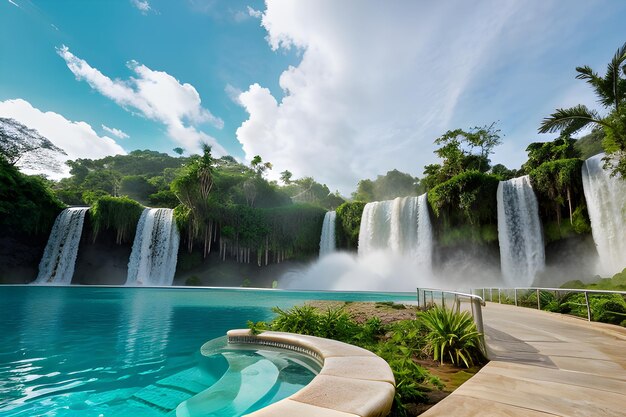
(424,295)
(488,295)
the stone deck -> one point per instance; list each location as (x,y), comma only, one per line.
(544,364)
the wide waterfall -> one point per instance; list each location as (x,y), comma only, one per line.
(401,226)
(606,203)
(522,253)
(327,240)
(59,257)
(155,249)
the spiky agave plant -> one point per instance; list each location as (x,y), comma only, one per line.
(452,335)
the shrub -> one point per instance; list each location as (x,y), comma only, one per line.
(118,213)
(348,224)
(452,335)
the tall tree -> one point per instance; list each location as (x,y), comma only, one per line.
(610,90)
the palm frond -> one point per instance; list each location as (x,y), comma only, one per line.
(612,77)
(570,120)
(602,86)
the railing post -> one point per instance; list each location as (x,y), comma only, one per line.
(443,300)
(538,300)
(490,294)
(418,298)
(499,297)
(515,292)
(588,307)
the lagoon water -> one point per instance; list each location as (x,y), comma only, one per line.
(106,351)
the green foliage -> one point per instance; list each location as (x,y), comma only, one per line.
(557,182)
(139,175)
(27,204)
(590,145)
(541,152)
(137,187)
(462,151)
(298,319)
(580,220)
(120,214)
(387,187)
(610,91)
(606,308)
(452,335)
(348,224)
(399,344)
(468,197)
(468,233)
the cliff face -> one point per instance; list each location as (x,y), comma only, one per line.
(19,258)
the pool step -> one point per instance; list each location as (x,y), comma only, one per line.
(247,379)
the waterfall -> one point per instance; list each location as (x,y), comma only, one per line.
(155,249)
(327,240)
(606,203)
(401,226)
(59,257)
(519,232)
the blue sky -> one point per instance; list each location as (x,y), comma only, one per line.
(336,90)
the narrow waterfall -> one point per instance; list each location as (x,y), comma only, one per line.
(606,203)
(327,240)
(59,257)
(519,232)
(401,226)
(155,249)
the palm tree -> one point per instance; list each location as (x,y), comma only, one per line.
(611,93)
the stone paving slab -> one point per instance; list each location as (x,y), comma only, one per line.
(544,364)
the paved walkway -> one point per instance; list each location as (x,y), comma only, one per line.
(544,364)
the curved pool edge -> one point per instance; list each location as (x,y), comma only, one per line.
(352,382)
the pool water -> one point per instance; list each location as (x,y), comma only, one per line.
(112,351)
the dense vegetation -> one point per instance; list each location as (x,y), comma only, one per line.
(437,333)
(27,204)
(230,208)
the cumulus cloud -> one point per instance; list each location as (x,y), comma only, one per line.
(377,83)
(257,14)
(156,95)
(115,132)
(142,5)
(233,93)
(77,139)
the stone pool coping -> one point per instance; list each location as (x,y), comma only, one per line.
(352,382)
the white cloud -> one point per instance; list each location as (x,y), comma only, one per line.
(115,132)
(142,5)
(257,14)
(233,93)
(157,96)
(77,139)
(378,82)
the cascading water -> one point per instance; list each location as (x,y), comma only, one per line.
(59,257)
(155,249)
(327,239)
(401,226)
(606,203)
(394,253)
(522,253)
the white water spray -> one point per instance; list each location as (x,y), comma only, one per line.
(155,249)
(606,203)
(327,239)
(59,257)
(394,254)
(522,253)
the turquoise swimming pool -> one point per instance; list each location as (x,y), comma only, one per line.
(112,351)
